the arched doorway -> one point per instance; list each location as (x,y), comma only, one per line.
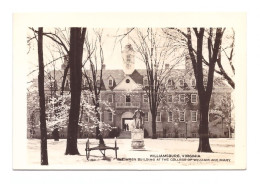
(127,122)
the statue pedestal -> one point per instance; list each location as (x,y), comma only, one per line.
(137,139)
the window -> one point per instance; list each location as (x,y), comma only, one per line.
(194,135)
(205,82)
(98,83)
(127,98)
(128,58)
(169,82)
(170,117)
(193,82)
(100,116)
(83,83)
(110,82)
(169,99)
(182,98)
(110,116)
(87,118)
(145,98)
(158,117)
(176,98)
(182,116)
(145,82)
(193,98)
(127,81)
(146,119)
(194,116)
(67,86)
(87,99)
(110,98)
(181,82)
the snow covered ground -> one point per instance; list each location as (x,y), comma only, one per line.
(158,153)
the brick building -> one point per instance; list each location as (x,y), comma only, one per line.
(178,114)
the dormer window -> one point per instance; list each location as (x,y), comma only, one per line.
(181,81)
(110,82)
(193,82)
(169,82)
(98,83)
(128,58)
(145,82)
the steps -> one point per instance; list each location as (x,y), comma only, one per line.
(125,135)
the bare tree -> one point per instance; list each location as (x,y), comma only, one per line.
(44,152)
(95,58)
(157,53)
(214,40)
(226,51)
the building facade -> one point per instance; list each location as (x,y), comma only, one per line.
(178,114)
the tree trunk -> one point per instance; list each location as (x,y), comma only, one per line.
(154,136)
(204,145)
(99,135)
(75,63)
(44,152)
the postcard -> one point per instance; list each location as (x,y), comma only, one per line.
(129,91)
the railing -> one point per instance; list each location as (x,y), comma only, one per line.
(128,104)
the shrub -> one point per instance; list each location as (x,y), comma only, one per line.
(115,132)
(146,135)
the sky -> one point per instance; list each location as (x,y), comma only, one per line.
(113,42)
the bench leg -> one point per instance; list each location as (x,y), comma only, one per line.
(87,154)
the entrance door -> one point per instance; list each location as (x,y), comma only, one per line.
(127,124)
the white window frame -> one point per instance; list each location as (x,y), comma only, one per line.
(195,98)
(145,79)
(170,82)
(147,116)
(129,98)
(98,83)
(109,82)
(146,98)
(110,95)
(109,112)
(171,98)
(128,57)
(87,96)
(87,118)
(159,116)
(183,116)
(182,82)
(100,116)
(196,116)
(170,120)
(183,98)
(205,81)
(193,79)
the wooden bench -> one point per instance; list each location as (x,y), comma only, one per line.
(101,148)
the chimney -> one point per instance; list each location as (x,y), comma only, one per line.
(103,66)
(167,66)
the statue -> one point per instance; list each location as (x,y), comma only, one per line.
(137,134)
(138,117)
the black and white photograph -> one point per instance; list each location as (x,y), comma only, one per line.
(132,97)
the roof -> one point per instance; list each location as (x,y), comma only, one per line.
(138,75)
